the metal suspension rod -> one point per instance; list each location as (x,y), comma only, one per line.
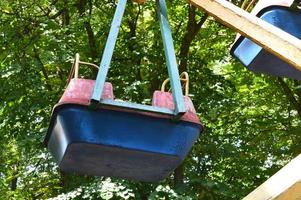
(108,51)
(171,62)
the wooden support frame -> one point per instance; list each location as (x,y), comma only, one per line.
(271,38)
(284,185)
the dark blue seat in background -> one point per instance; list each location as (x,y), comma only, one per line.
(255,58)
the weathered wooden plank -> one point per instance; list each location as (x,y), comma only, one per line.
(284,185)
(273,39)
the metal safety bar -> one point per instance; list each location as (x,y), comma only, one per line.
(170,62)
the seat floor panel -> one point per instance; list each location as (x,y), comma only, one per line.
(100,160)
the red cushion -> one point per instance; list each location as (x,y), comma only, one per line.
(79,91)
(165,100)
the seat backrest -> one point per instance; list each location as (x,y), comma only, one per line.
(165,100)
(79,91)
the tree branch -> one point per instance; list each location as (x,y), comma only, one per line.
(91,37)
(192,30)
(41,65)
(290,95)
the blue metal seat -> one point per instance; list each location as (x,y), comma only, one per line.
(255,58)
(91,133)
(122,144)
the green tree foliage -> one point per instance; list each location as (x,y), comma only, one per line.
(252,121)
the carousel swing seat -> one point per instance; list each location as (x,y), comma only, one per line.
(111,142)
(254,57)
(93,134)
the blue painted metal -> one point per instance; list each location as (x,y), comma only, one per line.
(118,144)
(108,51)
(255,58)
(170,58)
(136,107)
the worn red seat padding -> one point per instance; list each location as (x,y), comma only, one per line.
(165,100)
(79,91)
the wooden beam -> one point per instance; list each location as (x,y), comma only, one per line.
(271,38)
(284,185)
